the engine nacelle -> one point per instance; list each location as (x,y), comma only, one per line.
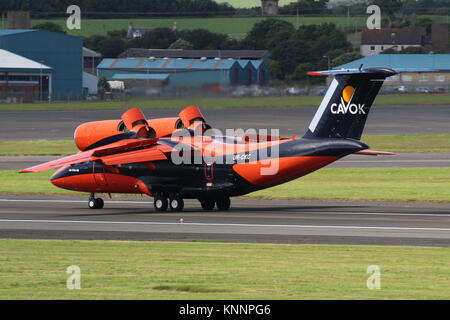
(88,134)
(191,115)
(96,133)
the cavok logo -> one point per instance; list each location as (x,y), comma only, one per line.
(346,105)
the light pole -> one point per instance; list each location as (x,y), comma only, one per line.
(40,82)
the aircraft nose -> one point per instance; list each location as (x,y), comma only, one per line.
(61,179)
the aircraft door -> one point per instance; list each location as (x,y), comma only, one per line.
(209,171)
(99,174)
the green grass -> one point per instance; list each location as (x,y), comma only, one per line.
(373,184)
(368,184)
(236,27)
(403,143)
(37,147)
(290,101)
(36,269)
(395,143)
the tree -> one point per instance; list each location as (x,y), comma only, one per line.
(301,72)
(181,44)
(49,26)
(203,39)
(103,84)
(345,58)
(111,47)
(159,38)
(267,33)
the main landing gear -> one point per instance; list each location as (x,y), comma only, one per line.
(162,202)
(175,203)
(223,204)
(95,203)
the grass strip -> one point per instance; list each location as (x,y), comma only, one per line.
(395,143)
(373,184)
(290,101)
(36,269)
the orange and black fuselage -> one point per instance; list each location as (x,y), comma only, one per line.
(214,176)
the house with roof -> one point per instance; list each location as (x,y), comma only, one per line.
(435,40)
(439,63)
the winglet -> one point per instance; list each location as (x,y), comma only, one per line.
(369,152)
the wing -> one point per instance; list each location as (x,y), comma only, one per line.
(125,151)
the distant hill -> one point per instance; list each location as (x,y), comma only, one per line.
(251,3)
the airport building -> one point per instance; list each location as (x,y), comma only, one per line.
(436,81)
(40,65)
(184,72)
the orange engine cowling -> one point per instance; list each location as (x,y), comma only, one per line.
(192,115)
(89,133)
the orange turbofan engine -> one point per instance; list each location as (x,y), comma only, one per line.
(96,133)
(191,116)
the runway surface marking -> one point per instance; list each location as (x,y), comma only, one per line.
(70,201)
(225,224)
(297,211)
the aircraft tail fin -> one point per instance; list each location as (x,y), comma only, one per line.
(344,109)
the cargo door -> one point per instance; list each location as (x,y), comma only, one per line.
(99,174)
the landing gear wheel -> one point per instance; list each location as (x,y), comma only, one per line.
(223,204)
(207,204)
(160,203)
(176,203)
(96,203)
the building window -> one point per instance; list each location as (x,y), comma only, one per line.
(423,78)
(382,48)
(406,78)
(372,48)
(439,78)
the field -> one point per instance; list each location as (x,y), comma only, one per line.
(272,101)
(386,184)
(236,27)
(173,270)
(394,143)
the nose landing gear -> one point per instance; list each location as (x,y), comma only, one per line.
(95,203)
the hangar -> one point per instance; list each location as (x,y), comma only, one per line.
(22,79)
(174,72)
(60,52)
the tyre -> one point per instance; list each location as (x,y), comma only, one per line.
(207,204)
(223,204)
(96,203)
(160,203)
(176,203)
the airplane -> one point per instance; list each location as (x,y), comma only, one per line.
(136,155)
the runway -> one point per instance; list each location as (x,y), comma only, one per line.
(403,160)
(60,125)
(249,220)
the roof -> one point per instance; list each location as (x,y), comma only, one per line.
(409,61)
(7,32)
(145,76)
(9,60)
(90,53)
(414,35)
(194,54)
(167,64)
